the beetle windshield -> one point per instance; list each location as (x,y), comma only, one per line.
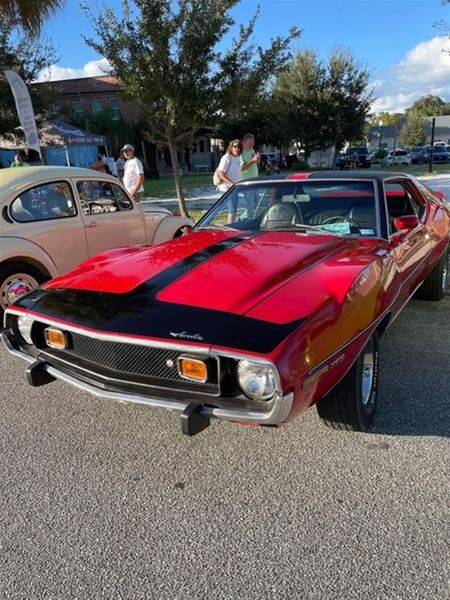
(334,206)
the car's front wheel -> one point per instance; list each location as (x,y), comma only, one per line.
(16,279)
(351,404)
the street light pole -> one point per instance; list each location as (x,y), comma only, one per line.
(380,125)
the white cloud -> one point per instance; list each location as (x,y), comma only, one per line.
(424,71)
(94,68)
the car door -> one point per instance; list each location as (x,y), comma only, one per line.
(48,216)
(409,249)
(110,217)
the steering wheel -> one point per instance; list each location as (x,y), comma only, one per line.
(341,219)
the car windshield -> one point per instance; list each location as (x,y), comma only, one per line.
(346,208)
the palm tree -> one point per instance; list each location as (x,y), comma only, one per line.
(29,14)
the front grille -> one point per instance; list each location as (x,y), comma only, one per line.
(126,358)
(131,364)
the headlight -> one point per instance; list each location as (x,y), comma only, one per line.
(257,381)
(24,324)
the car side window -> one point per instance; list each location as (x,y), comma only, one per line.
(101,197)
(122,199)
(401,202)
(49,201)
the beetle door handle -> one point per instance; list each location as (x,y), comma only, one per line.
(92,225)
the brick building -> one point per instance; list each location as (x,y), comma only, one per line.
(80,100)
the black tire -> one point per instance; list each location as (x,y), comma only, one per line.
(8,271)
(352,403)
(433,288)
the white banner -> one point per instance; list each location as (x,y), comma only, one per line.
(24,109)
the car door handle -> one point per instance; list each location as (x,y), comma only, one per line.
(92,225)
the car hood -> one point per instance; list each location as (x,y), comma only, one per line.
(199,286)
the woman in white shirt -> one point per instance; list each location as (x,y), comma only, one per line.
(229,171)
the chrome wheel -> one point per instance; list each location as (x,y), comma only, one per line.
(367,372)
(14,286)
(444,275)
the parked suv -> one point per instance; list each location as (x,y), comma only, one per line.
(440,154)
(416,153)
(402,157)
(363,157)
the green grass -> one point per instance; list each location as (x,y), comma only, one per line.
(164,187)
(417,170)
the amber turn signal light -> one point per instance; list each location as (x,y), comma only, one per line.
(55,338)
(192,368)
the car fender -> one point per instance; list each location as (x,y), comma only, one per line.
(167,228)
(329,340)
(15,249)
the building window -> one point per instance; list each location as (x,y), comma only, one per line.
(77,110)
(96,107)
(115,110)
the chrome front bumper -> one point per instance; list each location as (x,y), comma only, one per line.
(279,411)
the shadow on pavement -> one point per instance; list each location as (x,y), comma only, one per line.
(414,393)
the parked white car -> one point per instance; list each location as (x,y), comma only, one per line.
(53,218)
(402,157)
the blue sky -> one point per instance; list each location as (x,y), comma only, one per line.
(394,38)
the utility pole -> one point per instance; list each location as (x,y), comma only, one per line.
(433,125)
(395,142)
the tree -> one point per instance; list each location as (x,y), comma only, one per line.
(29,14)
(413,132)
(262,116)
(115,128)
(326,104)
(165,54)
(28,56)
(429,106)
(387,118)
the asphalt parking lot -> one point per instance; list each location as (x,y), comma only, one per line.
(103,500)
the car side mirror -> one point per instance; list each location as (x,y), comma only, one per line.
(440,194)
(406,222)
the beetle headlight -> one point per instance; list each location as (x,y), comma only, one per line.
(24,324)
(258,381)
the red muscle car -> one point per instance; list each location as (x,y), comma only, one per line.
(275,301)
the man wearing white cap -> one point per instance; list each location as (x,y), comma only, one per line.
(133,178)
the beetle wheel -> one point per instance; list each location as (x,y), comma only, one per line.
(16,274)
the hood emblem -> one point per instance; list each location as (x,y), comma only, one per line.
(186,335)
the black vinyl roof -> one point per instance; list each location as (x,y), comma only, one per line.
(355,174)
(333,174)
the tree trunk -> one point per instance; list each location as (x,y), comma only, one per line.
(177,176)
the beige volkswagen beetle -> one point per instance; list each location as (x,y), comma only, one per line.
(53,218)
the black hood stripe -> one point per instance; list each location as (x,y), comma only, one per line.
(138,312)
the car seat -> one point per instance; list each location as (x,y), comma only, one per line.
(57,205)
(280,216)
(19,212)
(398,205)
